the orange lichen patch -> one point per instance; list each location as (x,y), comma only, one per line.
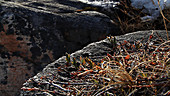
(50,54)
(17,72)
(11,44)
(5,27)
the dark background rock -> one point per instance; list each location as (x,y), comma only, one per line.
(95,51)
(34,33)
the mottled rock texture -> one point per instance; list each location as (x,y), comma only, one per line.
(95,51)
(34,33)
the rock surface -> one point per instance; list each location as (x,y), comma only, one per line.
(95,51)
(34,33)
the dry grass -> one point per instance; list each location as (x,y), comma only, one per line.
(128,19)
(164,18)
(133,69)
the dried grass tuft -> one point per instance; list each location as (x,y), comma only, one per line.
(133,69)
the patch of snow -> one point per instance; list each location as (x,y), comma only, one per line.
(150,7)
(103,3)
(167,4)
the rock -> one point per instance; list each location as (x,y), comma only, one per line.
(95,51)
(34,33)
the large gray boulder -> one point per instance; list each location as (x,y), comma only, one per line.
(34,33)
(95,51)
